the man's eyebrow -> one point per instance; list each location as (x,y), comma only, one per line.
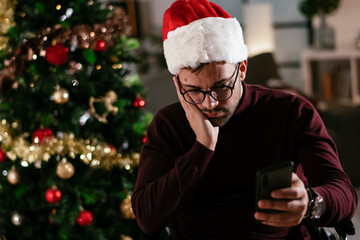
(215,84)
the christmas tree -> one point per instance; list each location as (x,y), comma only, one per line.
(72,120)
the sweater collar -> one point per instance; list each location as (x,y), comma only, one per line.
(245,100)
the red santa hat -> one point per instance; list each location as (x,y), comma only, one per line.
(199,31)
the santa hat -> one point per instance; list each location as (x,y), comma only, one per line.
(199,31)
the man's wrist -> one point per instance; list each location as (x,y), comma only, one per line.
(208,143)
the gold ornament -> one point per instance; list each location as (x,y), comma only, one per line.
(126,208)
(61,95)
(109,99)
(16,219)
(13,176)
(65,169)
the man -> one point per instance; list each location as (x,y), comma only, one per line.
(197,167)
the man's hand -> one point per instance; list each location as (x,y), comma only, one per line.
(205,132)
(292,202)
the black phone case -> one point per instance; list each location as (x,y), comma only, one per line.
(271,178)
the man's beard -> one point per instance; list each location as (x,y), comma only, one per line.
(221,120)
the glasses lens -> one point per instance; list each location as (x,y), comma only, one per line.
(194,96)
(221,93)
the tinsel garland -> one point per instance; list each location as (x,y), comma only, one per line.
(6,21)
(93,153)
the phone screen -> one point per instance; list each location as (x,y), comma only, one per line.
(274,177)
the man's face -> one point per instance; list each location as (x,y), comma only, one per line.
(210,76)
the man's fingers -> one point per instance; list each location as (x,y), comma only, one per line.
(296,191)
(288,193)
(178,90)
(205,132)
(182,101)
(281,219)
(290,202)
(283,205)
(191,110)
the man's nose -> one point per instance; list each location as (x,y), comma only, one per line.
(209,102)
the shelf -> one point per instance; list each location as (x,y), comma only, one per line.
(332,74)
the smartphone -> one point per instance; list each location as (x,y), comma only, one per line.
(271,178)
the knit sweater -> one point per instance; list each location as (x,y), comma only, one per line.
(211,194)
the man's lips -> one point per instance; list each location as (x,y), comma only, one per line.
(214,114)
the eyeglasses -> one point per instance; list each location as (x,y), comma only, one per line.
(220,93)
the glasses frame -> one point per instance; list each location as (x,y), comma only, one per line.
(211,89)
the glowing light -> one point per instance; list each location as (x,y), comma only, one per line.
(117,66)
(95,163)
(24,164)
(141,103)
(84,118)
(107,150)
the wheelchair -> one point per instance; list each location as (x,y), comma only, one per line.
(339,232)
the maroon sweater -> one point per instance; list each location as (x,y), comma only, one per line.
(211,194)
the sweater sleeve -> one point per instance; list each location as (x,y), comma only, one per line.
(320,161)
(166,177)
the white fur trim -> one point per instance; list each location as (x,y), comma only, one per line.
(211,39)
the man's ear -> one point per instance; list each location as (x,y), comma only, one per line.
(243,68)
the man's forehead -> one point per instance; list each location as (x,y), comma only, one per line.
(210,74)
(213,67)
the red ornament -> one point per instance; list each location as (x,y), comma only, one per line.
(53,195)
(57,54)
(2,155)
(100,45)
(144,139)
(85,218)
(42,135)
(112,148)
(139,102)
